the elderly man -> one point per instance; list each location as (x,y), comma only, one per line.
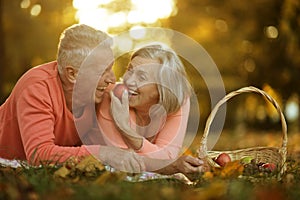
(36,121)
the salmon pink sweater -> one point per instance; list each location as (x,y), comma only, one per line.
(35,123)
(168,139)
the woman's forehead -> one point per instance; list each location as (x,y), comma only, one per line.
(138,60)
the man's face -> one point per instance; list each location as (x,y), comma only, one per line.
(94,76)
(107,78)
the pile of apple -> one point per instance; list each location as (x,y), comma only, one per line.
(251,166)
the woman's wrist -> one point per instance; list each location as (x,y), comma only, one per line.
(133,140)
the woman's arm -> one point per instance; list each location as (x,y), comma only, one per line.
(168,141)
(120,114)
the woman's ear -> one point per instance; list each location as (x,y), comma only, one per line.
(71,73)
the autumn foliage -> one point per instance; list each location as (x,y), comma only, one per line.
(89,179)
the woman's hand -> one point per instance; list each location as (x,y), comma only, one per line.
(120,111)
(120,114)
(186,165)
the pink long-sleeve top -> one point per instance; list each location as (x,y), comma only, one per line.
(168,139)
(35,123)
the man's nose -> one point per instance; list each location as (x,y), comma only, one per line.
(110,77)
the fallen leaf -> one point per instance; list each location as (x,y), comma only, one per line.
(188,152)
(62,172)
(208,175)
(90,164)
(231,169)
(110,177)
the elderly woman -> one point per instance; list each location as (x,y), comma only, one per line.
(151,117)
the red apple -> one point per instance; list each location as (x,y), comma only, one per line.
(119,89)
(223,159)
(269,166)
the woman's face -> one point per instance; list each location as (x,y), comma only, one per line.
(140,79)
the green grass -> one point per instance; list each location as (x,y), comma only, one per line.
(41,183)
(44,183)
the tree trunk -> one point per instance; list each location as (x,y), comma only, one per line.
(2,56)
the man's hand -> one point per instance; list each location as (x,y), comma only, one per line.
(123,160)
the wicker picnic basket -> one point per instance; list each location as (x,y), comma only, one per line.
(276,155)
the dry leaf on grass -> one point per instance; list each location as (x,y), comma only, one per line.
(62,172)
(110,177)
(231,169)
(89,164)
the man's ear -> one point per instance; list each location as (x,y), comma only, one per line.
(70,73)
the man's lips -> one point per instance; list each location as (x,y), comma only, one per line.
(101,89)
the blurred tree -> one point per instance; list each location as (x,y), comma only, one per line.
(278,49)
(31,30)
(2,55)
(253,43)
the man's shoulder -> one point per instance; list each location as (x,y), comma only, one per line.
(45,74)
(41,72)
(46,68)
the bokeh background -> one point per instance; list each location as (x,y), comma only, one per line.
(252,43)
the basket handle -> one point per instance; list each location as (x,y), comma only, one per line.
(203,145)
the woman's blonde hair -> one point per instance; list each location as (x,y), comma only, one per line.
(173,85)
(76,43)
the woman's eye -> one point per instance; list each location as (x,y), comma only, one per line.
(142,78)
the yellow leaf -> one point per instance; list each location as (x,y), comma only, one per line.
(110,177)
(76,179)
(188,152)
(89,164)
(234,168)
(71,163)
(62,172)
(208,175)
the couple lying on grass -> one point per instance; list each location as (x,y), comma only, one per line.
(67,108)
